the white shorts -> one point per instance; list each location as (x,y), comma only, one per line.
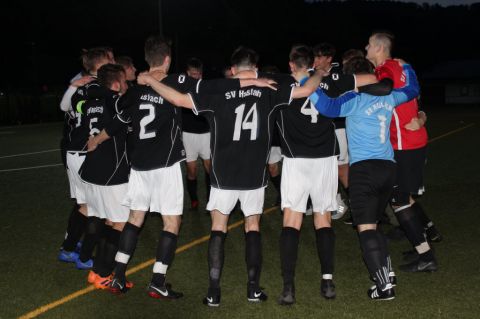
(314,177)
(196,145)
(275,155)
(160,190)
(77,186)
(224,200)
(106,202)
(342,145)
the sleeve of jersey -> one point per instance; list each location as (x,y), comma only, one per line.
(384,72)
(217,86)
(78,100)
(411,88)
(202,103)
(66,103)
(337,107)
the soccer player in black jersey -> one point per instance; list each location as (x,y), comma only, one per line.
(155,182)
(75,139)
(196,140)
(310,154)
(241,123)
(105,171)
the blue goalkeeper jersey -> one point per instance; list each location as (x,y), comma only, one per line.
(368,117)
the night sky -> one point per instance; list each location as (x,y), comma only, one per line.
(42,40)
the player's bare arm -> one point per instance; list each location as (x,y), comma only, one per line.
(96,140)
(310,86)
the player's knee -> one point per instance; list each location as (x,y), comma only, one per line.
(118,226)
(292,219)
(252,223)
(273,169)
(400,198)
(172,224)
(191,170)
(136,218)
(322,220)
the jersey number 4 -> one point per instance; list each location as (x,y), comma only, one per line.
(309,111)
(250,122)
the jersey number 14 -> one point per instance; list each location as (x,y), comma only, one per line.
(250,122)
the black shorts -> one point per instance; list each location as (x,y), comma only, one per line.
(370,185)
(410,168)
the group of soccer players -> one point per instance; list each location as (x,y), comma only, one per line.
(123,144)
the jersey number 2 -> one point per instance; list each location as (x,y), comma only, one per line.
(250,122)
(147,119)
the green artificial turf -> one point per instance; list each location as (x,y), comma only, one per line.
(35,205)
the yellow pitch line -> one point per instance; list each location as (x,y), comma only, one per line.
(451,132)
(59,302)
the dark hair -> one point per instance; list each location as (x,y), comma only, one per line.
(352,53)
(324,49)
(194,63)
(358,65)
(92,56)
(302,56)
(270,69)
(124,61)
(156,50)
(245,57)
(110,73)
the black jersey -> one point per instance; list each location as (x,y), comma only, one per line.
(78,130)
(156,123)
(108,164)
(335,84)
(192,123)
(241,123)
(305,133)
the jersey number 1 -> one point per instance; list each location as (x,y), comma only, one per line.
(383,127)
(250,122)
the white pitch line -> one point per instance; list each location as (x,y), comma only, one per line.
(27,168)
(32,153)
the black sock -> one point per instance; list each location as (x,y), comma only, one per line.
(216,255)
(167,245)
(126,248)
(422,216)
(276,182)
(411,224)
(192,189)
(93,233)
(375,256)
(253,258)
(75,229)
(207,185)
(326,249)
(100,252)
(109,253)
(384,247)
(289,239)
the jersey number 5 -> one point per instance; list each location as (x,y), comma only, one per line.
(147,119)
(250,122)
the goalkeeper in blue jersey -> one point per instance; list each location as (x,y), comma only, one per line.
(372,167)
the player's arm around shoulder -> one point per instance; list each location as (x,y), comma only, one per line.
(411,89)
(168,93)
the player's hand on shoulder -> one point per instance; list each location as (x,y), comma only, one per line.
(264,82)
(82,81)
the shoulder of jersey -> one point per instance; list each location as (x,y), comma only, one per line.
(335,71)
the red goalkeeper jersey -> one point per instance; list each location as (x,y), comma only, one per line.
(400,137)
